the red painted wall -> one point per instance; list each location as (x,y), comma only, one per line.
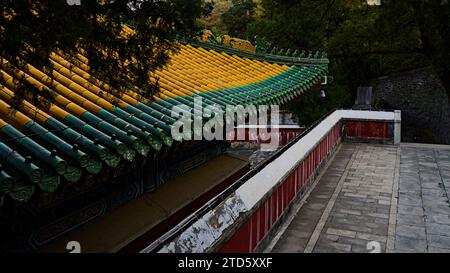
(251,233)
(285,136)
(362,129)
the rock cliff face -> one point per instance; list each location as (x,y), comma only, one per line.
(423,100)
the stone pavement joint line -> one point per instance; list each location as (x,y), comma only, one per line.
(396,196)
(393,210)
(319,227)
(302,201)
(357,190)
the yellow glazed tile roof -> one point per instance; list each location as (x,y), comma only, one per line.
(86,127)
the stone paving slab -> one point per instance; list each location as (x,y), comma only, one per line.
(424,211)
(305,221)
(396,196)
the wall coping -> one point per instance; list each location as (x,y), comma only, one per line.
(208,229)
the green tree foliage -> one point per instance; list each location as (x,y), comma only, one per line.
(311,106)
(362,41)
(31,29)
(236,19)
(397,35)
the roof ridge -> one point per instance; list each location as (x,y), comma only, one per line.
(271,58)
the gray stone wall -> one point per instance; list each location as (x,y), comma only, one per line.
(424,103)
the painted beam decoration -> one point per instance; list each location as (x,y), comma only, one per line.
(87,128)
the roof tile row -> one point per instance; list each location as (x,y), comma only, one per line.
(87,126)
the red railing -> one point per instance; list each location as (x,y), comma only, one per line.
(247,238)
(244,217)
(284,135)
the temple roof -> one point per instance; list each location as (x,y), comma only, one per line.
(87,127)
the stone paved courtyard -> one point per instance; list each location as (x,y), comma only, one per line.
(375,197)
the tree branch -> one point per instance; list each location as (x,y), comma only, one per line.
(330,5)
